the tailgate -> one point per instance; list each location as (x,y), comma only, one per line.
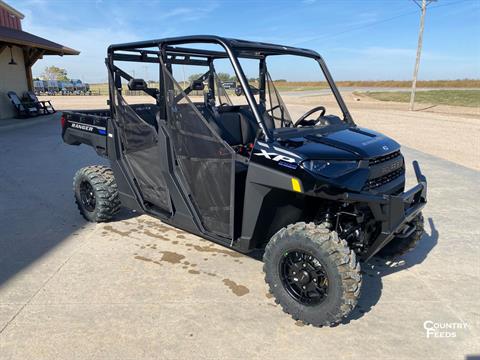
(86,127)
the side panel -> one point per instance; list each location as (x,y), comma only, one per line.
(261,181)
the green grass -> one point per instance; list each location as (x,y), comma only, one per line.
(469,98)
(102,89)
(312,85)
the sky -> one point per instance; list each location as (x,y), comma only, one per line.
(359,39)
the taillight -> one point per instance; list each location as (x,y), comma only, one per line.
(63,121)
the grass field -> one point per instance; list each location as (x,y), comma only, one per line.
(301,86)
(469,98)
(102,89)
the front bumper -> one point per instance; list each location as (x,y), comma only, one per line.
(394,212)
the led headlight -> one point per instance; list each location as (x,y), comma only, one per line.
(329,168)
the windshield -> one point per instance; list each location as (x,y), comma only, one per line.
(297,93)
(220,92)
(275,107)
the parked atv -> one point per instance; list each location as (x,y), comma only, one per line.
(318,194)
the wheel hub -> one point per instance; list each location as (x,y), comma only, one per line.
(87,196)
(304,277)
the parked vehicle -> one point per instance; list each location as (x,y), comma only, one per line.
(66,87)
(229,85)
(38,87)
(318,194)
(53,87)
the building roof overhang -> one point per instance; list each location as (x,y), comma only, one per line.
(9,37)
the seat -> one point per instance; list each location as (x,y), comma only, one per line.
(234,127)
(45,106)
(24,109)
(148,113)
(269,123)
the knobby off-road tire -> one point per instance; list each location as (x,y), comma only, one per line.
(400,246)
(96,193)
(337,260)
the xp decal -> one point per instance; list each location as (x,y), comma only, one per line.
(274,156)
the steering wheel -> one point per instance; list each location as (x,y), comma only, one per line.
(273,108)
(302,121)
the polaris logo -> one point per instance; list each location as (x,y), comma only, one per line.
(82,127)
(274,156)
(391,167)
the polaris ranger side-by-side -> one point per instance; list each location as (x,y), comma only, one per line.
(317,193)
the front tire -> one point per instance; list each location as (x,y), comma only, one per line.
(96,193)
(312,273)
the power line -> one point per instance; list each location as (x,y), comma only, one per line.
(339,33)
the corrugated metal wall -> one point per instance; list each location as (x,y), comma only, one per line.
(9,20)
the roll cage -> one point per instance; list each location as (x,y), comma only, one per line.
(171,52)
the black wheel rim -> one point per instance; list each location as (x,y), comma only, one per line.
(304,277)
(87,196)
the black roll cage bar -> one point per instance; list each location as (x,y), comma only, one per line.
(170,53)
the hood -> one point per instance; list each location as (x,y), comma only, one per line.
(347,143)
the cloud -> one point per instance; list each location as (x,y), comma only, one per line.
(187,14)
(91,29)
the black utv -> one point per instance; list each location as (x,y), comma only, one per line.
(318,194)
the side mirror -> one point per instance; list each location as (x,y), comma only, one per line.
(198,85)
(238,90)
(137,85)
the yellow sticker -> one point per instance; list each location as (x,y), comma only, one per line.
(296,185)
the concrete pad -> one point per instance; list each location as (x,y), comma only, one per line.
(136,288)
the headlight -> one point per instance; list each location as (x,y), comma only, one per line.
(329,168)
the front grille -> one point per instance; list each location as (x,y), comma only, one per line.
(384,169)
(382,180)
(384,158)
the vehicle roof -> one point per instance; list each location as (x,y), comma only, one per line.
(242,47)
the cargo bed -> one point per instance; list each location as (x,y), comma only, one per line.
(86,127)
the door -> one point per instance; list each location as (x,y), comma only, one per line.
(205,160)
(141,149)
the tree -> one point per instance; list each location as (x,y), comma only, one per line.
(224,77)
(54,73)
(194,77)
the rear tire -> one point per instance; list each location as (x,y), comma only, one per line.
(96,193)
(326,255)
(400,246)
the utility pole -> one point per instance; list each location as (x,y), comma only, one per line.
(423,7)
